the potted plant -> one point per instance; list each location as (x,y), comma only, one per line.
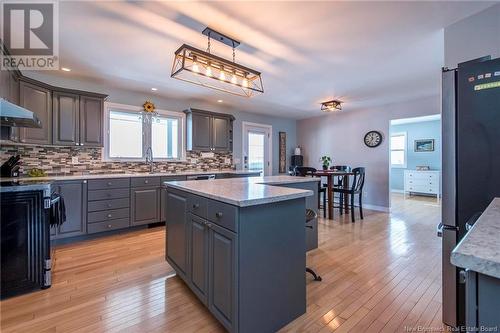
(326,160)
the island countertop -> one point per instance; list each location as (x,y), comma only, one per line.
(479,250)
(244,192)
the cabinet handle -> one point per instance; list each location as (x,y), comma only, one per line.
(81,144)
(109,215)
(76,143)
(208,224)
(109,205)
(110,183)
(195,206)
(109,225)
(218,214)
(145,182)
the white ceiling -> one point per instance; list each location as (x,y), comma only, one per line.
(364,53)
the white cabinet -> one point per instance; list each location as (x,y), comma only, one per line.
(425,182)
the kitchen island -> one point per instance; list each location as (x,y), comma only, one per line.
(240,246)
(479,254)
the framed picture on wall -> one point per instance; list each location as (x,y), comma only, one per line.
(424,145)
(282,152)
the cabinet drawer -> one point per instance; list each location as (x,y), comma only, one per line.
(145,181)
(197,205)
(222,214)
(100,184)
(422,189)
(108,215)
(108,225)
(417,175)
(94,206)
(108,194)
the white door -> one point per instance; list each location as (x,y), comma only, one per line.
(257,148)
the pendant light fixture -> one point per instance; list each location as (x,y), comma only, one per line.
(331,106)
(211,71)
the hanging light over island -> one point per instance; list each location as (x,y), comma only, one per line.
(206,69)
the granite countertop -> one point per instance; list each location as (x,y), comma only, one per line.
(129,175)
(479,250)
(244,192)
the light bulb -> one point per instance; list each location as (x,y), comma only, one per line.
(234,80)
(208,71)
(245,83)
(195,67)
(222,76)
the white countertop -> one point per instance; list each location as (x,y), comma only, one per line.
(244,192)
(479,250)
(130,175)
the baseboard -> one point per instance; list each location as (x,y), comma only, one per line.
(377,208)
(397,191)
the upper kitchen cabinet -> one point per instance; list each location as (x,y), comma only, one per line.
(37,99)
(209,131)
(91,121)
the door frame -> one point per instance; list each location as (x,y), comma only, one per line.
(269,129)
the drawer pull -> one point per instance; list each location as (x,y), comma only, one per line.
(209,225)
(109,205)
(109,215)
(110,183)
(146,182)
(218,214)
(109,225)
(195,206)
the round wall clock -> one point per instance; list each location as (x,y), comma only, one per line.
(373,139)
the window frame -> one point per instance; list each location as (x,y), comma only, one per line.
(405,150)
(146,133)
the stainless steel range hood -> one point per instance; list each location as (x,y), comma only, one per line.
(12,115)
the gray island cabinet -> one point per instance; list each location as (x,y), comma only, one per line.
(479,254)
(240,246)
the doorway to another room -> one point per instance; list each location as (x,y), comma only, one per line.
(415,161)
(257,148)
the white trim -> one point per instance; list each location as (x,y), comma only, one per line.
(397,191)
(266,127)
(416,119)
(377,208)
(399,166)
(132,108)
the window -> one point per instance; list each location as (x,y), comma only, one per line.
(130,134)
(256,151)
(398,150)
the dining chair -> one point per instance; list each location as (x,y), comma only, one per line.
(355,188)
(310,216)
(308,171)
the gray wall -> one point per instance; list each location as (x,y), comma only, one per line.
(341,134)
(473,37)
(417,131)
(124,96)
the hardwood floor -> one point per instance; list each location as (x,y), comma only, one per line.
(381,274)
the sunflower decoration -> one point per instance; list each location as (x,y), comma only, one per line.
(149,107)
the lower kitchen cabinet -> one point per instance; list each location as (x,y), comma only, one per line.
(482,294)
(75,200)
(144,205)
(198,240)
(177,232)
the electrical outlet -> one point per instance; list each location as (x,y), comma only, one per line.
(227,160)
(74,160)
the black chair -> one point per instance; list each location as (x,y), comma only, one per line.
(311,215)
(308,171)
(355,188)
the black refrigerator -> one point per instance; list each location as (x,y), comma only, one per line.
(470,163)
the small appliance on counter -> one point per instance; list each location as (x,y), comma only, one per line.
(296,160)
(28,210)
(10,168)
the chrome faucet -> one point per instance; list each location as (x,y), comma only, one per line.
(149,159)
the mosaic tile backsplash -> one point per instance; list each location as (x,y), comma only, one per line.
(58,161)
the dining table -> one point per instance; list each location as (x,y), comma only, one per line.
(330,177)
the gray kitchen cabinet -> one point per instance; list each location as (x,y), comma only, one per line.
(208,131)
(198,272)
(39,100)
(74,193)
(177,232)
(91,121)
(163,194)
(66,114)
(144,205)
(482,294)
(222,300)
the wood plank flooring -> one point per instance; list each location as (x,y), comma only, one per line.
(381,274)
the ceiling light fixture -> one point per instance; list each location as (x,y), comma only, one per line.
(330,106)
(65,69)
(220,101)
(154,89)
(208,70)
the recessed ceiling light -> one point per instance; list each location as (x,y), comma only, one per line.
(154,89)
(220,101)
(65,69)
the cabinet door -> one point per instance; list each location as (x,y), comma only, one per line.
(198,272)
(163,204)
(222,300)
(144,203)
(202,132)
(75,200)
(14,89)
(38,100)
(220,133)
(177,232)
(65,114)
(91,121)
